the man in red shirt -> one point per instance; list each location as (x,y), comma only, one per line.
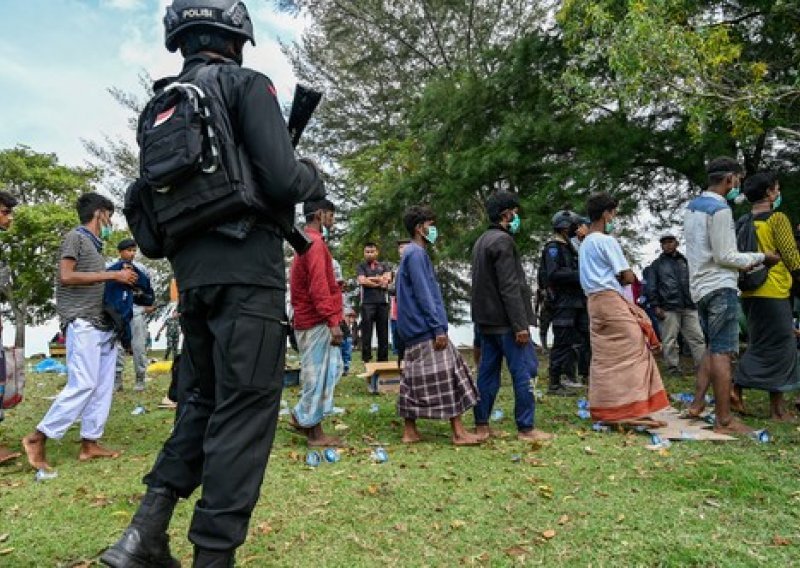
(317,304)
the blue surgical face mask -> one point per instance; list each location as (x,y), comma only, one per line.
(777,202)
(733,193)
(105,232)
(325,232)
(513,226)
(610,226)
(432,235)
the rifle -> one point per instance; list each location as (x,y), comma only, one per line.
(304,104)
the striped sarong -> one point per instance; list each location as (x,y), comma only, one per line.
(436,384)
(624,381)
(320,370)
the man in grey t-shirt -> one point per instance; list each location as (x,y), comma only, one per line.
(91,349)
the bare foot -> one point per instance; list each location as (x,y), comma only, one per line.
(737,405)
(91,450)
(484,432)
(783,415)
(694,411)
(411,437)
(467,439)
(733,426)
(324,441)
(7,455)
(296,425)
(33,444)
(535,436)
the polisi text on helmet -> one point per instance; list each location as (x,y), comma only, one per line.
(190,13)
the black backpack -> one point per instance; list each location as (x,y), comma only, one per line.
(747,241)
(193,176)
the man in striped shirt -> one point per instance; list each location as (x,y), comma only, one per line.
(91,346)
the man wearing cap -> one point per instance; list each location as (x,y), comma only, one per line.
(127,252)
(570,320)
(317,304)
(714,263)
(667,290)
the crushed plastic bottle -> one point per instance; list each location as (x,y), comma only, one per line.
(538,395)
(497,415)
(379,455)
(313,458)
(138,410)
(683,397)
(374,408)
(331,455)
(761,436)
(43,474)
(584,414)
(583,404)
(710,418)
(600,427)
(337,411)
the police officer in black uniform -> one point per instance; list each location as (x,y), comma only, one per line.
(232,315)
(570,319)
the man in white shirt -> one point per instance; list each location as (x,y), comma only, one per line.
(714,262)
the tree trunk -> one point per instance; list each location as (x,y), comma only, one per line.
(19,324)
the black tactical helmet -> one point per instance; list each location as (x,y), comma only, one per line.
(228,15)
(565,219)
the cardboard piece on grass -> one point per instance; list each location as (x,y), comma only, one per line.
(678,428)
(383,377)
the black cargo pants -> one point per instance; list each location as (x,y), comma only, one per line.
(235,338)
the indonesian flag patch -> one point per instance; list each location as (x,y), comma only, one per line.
(163,117)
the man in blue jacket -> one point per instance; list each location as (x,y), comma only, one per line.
(436,382)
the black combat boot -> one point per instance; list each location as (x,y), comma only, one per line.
(212,558)
(145,542)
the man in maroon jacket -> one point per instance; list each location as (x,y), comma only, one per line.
(317,303)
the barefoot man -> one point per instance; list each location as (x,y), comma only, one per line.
(317,304)
(502,308)
(714,262)
(91,346)
(436,382)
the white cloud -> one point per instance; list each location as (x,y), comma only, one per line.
(123,4)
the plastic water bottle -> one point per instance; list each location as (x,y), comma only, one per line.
(497,415)
(583,404)
(331,455)
(313,458)
(44,475)
(374,408)
(379,455)
(761,436)
(710,418)
(584,414)
(138,410)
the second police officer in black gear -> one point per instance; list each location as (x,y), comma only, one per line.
(232,314)
(570,320)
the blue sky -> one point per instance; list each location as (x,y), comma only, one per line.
(59,57)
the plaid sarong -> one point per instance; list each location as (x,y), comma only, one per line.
(436,384)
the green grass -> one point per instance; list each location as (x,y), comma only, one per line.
(609,501)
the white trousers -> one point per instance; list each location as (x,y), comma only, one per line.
(91,357)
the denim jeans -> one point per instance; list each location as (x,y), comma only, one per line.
(522,364)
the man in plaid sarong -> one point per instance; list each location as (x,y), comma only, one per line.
(436,382)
